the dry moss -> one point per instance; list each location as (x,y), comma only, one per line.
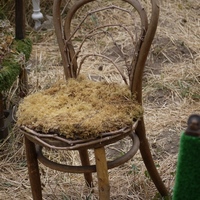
(79,109)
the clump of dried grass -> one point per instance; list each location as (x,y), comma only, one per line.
(80,109)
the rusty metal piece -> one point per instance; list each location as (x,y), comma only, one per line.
(193,123)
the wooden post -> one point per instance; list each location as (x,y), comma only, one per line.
(3,129)
(102,174)
(19,19)
(23,82)
(20,35)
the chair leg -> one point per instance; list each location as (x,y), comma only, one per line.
(85,161)
(102,174)
(148,160)
(33,170)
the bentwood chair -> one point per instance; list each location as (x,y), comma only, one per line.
(107,43)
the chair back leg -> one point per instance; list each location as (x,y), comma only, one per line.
(148,160)
(33,170)
(85,161)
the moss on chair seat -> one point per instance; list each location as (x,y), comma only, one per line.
(79,108)
(13,61)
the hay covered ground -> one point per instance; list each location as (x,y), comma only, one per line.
(171,93)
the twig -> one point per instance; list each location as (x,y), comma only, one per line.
(100,55)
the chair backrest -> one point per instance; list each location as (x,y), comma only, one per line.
(123,29)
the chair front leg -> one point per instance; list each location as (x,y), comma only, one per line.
(102,173)
(33,170)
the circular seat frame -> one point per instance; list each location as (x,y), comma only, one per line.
(49,141)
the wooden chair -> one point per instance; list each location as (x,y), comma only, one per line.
(74,55)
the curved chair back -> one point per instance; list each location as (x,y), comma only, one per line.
(140,42)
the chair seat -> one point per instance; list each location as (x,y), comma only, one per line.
(80,109)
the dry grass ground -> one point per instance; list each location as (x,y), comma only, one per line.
(171,93)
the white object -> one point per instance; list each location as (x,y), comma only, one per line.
(37,15)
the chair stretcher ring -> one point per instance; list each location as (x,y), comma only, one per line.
(91,168)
